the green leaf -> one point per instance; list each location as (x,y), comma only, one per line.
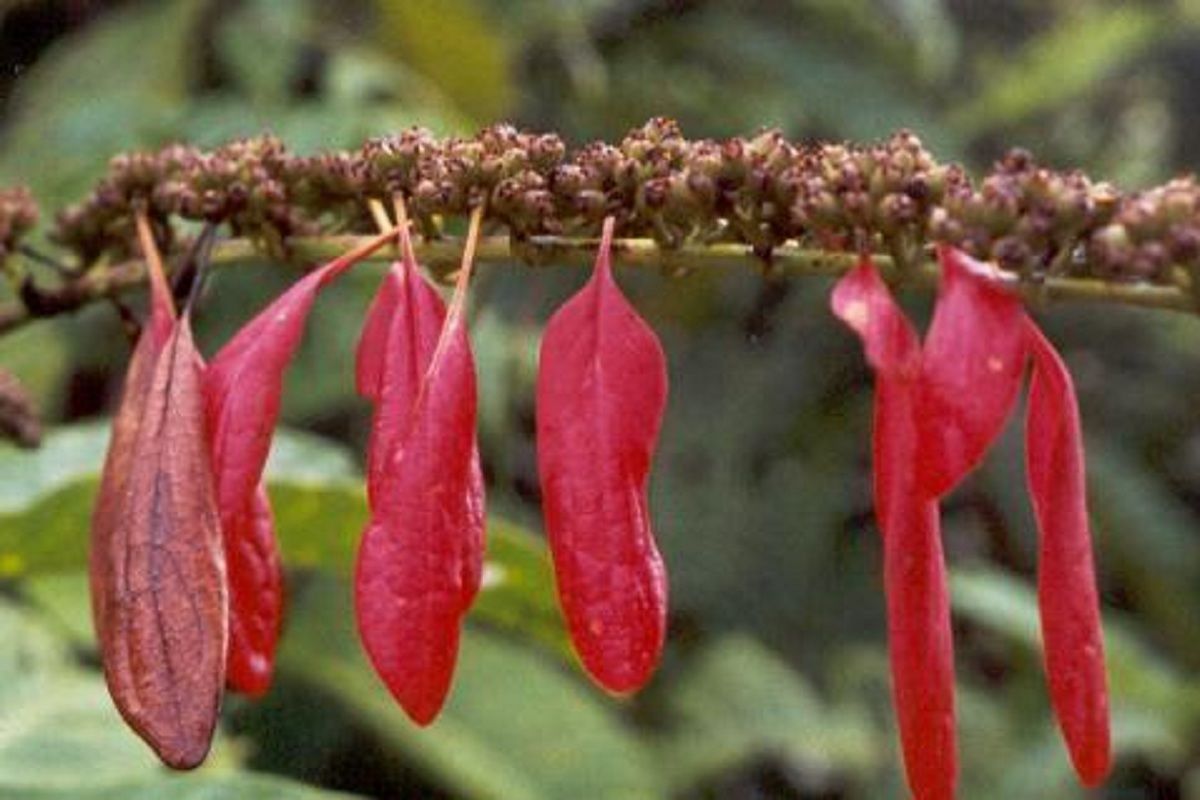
(516,727)
(753,487)
(738,702)
(263,64)
(38,355)
(1147,537)
(58,729)
(61,737)
(320,507)
(1062,64)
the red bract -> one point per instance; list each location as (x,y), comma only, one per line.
(421,556)
(242,392)
(1067,594)
(919,633)
(973,364)
(601,390)
(398,340)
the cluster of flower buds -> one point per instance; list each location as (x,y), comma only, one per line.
(1150,232)
(1024,217)
(246,183)
(509,169)
(762,191)
(873,196)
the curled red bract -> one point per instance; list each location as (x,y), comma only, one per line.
(1067,595)
(158,570)
(973,363)
(938,408)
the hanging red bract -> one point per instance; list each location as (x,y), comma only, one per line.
(243,389)
(1067,596)
(601,391)
(421,556)
(918,612)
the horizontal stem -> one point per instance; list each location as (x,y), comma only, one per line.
(443,254)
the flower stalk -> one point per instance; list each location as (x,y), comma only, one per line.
(441,255)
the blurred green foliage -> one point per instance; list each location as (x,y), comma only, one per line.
(775,681)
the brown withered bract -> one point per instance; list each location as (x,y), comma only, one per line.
(106,515)
(158,569)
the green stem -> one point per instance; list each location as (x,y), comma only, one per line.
(443,254)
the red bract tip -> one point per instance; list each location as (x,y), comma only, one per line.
(862,301)
(1067,595)
(919,632)
(971,372)
(601,391)
(371,355)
